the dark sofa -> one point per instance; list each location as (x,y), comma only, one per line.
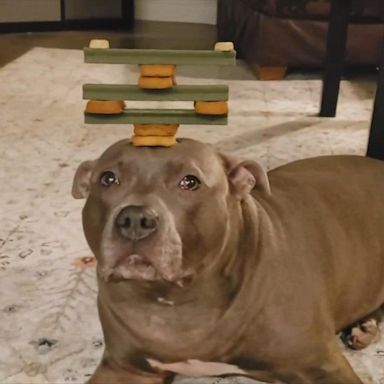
(273,34)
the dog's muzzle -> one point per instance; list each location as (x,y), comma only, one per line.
(136,222)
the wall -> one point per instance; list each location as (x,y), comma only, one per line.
(29,10)
(76,9)
(193,11)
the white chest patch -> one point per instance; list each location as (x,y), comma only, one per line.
(162,300)
(195,368)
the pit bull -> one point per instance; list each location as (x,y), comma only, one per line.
(207,265)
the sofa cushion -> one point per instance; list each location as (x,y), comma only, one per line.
(316,9)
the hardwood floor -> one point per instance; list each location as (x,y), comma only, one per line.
(146,34)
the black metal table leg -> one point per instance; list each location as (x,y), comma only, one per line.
(376,134)
(334,62)
(128,12)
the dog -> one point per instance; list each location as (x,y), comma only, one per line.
(207,265)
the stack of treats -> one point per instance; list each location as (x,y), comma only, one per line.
(154,135)
(156,77)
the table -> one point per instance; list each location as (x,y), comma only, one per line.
(334,62)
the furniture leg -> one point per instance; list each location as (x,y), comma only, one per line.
(376,135)
(336,43)
(270,73)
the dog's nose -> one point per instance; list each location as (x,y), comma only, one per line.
(136,222)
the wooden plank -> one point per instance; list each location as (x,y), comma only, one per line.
(158,56)
(177,93)
(156,116)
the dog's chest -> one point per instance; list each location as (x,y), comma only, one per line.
(167,324)
(171,325)
(188,333)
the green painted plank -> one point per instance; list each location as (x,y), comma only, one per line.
(133,92)
(158,56)
(155,116)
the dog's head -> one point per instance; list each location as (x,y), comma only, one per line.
(159,213)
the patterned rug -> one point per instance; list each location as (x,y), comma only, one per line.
(49,328)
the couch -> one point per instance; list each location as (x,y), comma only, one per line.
(272,35)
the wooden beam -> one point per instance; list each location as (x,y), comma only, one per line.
(177,93)
(158,56)
(156,116)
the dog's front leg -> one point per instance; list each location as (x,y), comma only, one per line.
(330,368)
(109,373)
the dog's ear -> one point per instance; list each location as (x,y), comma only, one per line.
(82,180)
(245,176)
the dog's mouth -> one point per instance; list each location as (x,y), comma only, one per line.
(134,260)
(133,266)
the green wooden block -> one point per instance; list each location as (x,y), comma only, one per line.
(155,116)
(177,93)
(158,56)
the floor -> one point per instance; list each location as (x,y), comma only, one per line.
(50,333)
(147,34)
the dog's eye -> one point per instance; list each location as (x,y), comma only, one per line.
(190,183)
(108,178)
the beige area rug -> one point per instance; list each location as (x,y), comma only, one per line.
(49,329)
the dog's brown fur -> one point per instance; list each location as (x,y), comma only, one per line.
(256,272)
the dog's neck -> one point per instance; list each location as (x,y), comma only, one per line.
(246,259)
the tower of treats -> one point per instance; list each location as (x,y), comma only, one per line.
(157,82)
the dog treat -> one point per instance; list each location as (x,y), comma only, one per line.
(99,44)
(103,107)
(157,70)
(159,56)
(155,129)
(156,116)
(153,141)
(224,46)
(133,92)
(156,82)
(211,107)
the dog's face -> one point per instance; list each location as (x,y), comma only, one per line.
(160,213)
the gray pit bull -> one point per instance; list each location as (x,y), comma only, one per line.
(209,266)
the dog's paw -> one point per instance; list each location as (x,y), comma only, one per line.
(361,335)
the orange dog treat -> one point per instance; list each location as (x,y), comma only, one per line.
(155,82)
(155,129)
(211,107)
(103,107)
(157,70)
(153,141)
